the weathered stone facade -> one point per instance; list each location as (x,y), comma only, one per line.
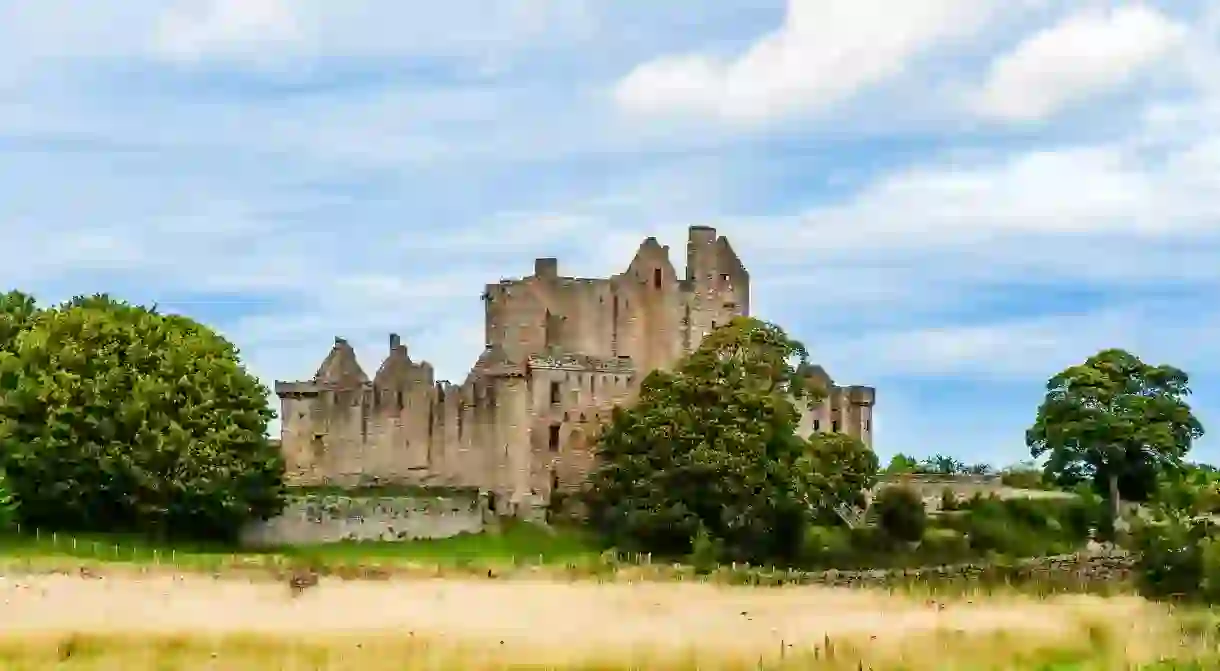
(560,353)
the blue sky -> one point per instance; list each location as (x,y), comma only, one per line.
(950,200)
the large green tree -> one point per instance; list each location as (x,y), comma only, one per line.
(113,416)
(711,449)
(844,469)
(17,310)
(1111,417)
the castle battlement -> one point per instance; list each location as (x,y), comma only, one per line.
(560,353)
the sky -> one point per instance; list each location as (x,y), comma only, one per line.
(948,200)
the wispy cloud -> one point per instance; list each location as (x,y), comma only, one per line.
(295,171)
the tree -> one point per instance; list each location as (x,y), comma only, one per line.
(712,448)
(900,464)
(845,469)
(113,416)
(901,514)
(17,310)
(1114,416)
(8,505)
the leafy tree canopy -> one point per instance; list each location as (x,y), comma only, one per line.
(1114,417)
(712,448)
(845,468)
(113,416)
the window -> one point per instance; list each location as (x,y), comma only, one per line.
(868,426)
(834,426)
(556,394)
(817,425)
(656,278)
(553,441)
(554,481)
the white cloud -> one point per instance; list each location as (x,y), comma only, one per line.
(1094,51)
(825,52)
(194,30)
(1033,349)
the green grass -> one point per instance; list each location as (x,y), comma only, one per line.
(515,543)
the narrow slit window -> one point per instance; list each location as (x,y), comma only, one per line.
(553,439)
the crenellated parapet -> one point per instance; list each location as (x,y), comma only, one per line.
(559,354)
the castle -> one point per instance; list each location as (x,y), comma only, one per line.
(560,353)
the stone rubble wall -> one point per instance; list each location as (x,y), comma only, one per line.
(328,518)
(1089,568)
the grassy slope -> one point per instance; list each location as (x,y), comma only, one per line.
(516,542)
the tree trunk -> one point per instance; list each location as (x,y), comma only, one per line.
(1115,504)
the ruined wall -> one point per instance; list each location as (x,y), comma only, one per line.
(571,398)
(560,352)
(328,518)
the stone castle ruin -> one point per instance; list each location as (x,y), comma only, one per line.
(560,353)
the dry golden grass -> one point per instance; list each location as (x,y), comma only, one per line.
(192,622)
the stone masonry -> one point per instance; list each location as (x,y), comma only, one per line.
(560,353)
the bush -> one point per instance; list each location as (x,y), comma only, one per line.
(827,546)
(8,505)
(948,500)
(116,417)
(944,546)
(1173,553)
(901,514)
(705,552)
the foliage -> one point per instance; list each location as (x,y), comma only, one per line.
(845,469)
(1112,416)
(114,417)
(712,445)
(17,310)
(900,464)
(1176,555)
(900,513)
(1023,476)
(8,504)
(705,552)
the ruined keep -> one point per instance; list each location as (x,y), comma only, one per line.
(560,353)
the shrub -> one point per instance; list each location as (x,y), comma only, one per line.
(705,552)
(944,546)
(901,514)
(948,500)
(1171,552)
(826,546)
(8,505)
(116,417)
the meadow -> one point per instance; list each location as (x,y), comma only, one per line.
(142,605)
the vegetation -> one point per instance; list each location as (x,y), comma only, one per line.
(8,505)
(1114,420)
(117,417)
(901,514)
(712,448)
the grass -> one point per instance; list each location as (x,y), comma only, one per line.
(513,545)
(1089,644)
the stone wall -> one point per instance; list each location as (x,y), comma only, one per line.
(332,517)
(930,487)
(1080,569)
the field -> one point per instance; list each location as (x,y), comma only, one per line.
(199,622)
(135,615)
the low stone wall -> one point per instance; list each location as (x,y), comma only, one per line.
(1084,568)
(332,517)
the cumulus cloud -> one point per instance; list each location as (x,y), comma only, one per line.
(378,186)
(825,52)
(1094,51)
